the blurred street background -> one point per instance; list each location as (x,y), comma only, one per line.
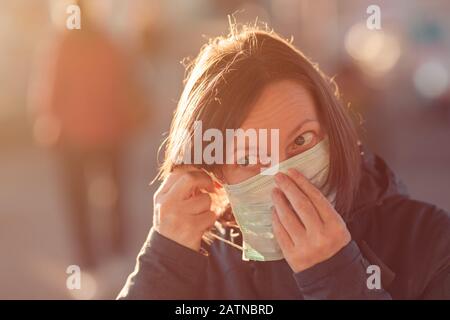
(398,78)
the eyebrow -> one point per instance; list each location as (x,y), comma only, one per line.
(299,126)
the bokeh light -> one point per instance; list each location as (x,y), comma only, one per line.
(431,79)
(376,51)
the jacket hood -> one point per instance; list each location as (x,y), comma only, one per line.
(378,183)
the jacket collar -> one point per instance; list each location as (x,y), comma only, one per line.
(387,275)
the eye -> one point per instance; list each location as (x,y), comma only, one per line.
(304,139)
(303,142)
(244,162)
(247,161)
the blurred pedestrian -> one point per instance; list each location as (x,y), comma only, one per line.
(87,107)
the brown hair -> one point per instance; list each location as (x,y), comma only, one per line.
(230,73)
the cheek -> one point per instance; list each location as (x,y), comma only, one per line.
(233,175)
(225,174)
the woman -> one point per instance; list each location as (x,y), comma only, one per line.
(332,223)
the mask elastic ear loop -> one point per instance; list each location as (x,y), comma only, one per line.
(213,235)
(226,241)
(360,145)
(221,230)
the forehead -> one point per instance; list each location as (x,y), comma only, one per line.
(281,105)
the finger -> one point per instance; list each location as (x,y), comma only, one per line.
(320,202)
(205,220)
(175,175)
(156,215)
(284,240)
(287,216)
(301,204)
(191,183)
(168,183)
(198,204)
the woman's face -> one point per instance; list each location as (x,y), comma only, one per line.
(289,107)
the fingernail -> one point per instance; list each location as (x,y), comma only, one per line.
(274,211)
(275,192)
(279,177)
(293,172)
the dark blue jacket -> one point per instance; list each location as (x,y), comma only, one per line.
(408,240)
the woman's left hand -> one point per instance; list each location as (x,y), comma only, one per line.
(307,227)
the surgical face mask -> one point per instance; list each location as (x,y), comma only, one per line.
(251,201)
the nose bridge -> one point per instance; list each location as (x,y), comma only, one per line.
(276,149)
(283,155)
(281,149)
(278,155)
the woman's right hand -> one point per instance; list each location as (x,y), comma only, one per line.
(182,208)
